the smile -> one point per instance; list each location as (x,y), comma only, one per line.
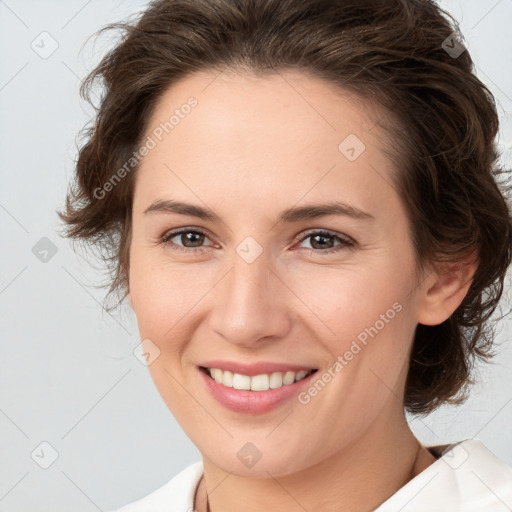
(262,382)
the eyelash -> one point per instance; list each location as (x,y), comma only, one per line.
(345,242)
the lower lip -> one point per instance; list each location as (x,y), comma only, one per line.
(253,402)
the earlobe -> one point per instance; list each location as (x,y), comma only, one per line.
(445,290)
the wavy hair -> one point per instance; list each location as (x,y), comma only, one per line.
(399,53)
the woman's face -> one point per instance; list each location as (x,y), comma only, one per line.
(264,274)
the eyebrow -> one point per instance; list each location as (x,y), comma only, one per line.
(294,214)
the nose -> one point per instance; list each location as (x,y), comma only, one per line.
(251,304)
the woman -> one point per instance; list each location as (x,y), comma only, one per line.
(300,200)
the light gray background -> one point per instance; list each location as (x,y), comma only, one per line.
(67,375)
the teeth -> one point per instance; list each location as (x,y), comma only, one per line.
(240,381)
(288,378)
(217,374)
(261,382)
(276,380)
(300,375)
(227,378)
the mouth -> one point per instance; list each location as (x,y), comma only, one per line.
(254,387)
(257,383)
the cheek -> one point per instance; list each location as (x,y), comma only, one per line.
(161,293)
(163,299)
(353,302)
(366,322)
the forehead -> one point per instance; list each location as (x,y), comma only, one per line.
(261,136)
(266,103)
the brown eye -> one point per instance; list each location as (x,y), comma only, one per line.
(186,240)
(324,241)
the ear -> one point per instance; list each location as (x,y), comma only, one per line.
(445,288)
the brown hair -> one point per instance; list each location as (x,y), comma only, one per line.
(442,119)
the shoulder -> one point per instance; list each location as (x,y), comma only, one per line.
(177,495)
(466,477)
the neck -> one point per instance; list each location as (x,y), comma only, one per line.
(359,477)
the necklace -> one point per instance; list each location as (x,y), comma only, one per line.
(206,492)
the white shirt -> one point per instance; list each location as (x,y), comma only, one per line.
(466,477)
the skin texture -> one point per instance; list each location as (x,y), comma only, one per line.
(252,147)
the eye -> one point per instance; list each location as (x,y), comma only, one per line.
(322,241)
(190,238)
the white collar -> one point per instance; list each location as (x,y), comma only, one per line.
(466,477)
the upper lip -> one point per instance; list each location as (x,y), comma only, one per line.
(251,369)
